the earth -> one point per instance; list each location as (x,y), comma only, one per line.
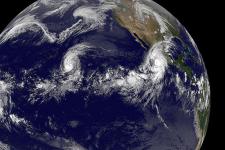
(101,75)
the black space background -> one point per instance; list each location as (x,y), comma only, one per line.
(204,21)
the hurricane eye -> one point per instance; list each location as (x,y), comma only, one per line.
(71,60)
(69,63)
